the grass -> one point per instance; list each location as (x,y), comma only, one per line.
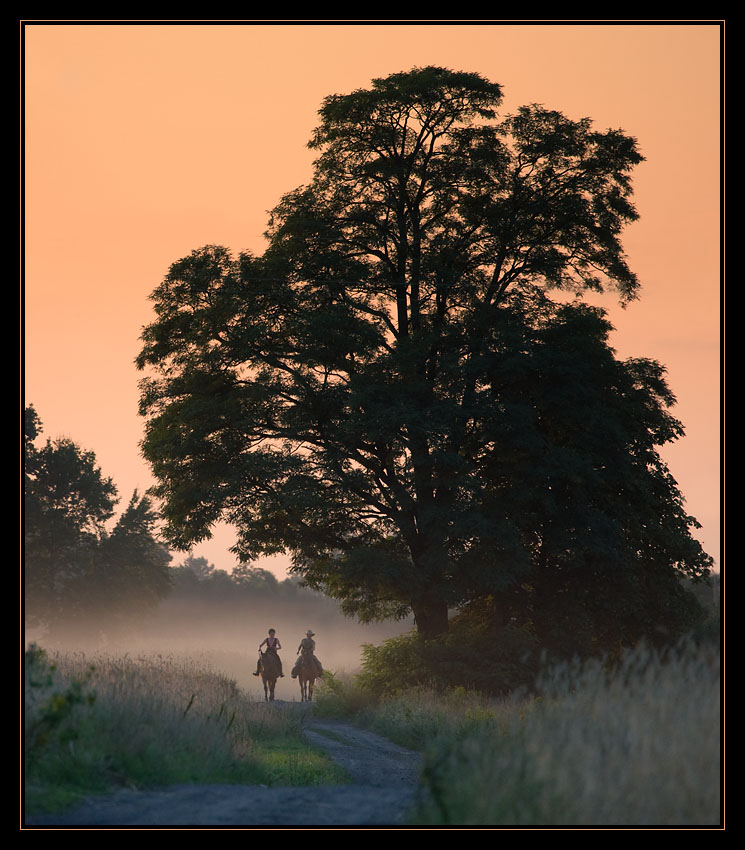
(633,744)
(96,723)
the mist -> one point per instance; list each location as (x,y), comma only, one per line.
(224,633)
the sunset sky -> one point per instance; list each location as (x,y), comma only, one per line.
(146,141)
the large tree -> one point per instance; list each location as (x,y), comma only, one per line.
(390,394)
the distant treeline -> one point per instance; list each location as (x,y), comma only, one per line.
(196,576)
(209,606)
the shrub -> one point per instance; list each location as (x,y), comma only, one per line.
(471,655)
(339,695)
(50,703)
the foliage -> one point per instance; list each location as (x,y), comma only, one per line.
(471,655)
(155,720)
(50,704)
(390,393)
(79,575)
(339,695)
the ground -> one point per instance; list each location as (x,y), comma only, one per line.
(384,778)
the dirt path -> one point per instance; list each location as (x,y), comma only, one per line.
(384,778)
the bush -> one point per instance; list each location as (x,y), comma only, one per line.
(340,696)
(471,655)
(50,703)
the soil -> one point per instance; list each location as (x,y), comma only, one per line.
(384,787)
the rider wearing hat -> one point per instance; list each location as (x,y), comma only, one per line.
(307,647)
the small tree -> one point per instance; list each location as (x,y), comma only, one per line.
(78,576)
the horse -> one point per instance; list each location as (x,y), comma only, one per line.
(307,673)
(269,669)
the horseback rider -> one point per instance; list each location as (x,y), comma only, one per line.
(272,645)
(307,648)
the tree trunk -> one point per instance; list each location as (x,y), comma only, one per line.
(431,618)
(430,560)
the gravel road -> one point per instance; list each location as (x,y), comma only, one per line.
(384,777)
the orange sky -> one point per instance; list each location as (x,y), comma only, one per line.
(144,142)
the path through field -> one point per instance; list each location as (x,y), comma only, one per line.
(384,778)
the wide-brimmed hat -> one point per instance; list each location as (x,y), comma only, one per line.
(309,632)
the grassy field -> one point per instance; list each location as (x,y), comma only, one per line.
(633,745)
(93,723)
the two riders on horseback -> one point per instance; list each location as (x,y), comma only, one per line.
(305,653)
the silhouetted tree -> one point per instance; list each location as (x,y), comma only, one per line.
(389,392)
(77,574)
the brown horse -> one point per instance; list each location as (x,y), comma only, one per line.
(269,669)
(307,673)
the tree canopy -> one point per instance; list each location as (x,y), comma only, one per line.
(400,390)
(81,577)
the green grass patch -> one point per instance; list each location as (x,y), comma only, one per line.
(298,764)
(97,723)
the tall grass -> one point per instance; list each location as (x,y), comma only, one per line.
(636,743)
(97,722)
(635,746)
